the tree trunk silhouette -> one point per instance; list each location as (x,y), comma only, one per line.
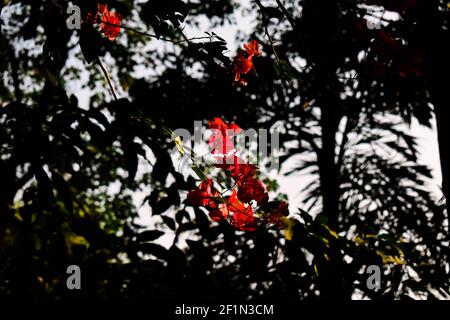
(320,21)
(436,46)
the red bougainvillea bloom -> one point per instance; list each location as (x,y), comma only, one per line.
(237,167)
(253,48)
(110,25)
(252,189)
(243,222)
(243,63)
(91,18)
(221,213)
(221,140)
(242,218)
(102,9)
(236,208)
(249,187)
(110,21)
(203,195)
(241,172)
(219,124)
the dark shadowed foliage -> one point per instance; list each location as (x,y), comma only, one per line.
(342,93)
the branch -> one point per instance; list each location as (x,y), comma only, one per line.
(185,39)
(107,78)
(266,29)
(287,14)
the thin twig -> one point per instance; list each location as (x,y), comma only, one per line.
(184,36)
(58,5)
(108,79)
(266,30)
(284,87)
(185,39)
(287,14)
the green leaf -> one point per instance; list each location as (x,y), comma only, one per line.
(199,172)
(284,69)
(321,219)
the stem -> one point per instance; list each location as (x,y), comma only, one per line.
(287,14)
(284,87)
(266,30)
(184,36)
(185,39)
(108,79)
(58,5)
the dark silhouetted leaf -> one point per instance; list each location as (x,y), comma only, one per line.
(149,235)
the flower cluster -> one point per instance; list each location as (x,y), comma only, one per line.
(243,63)
(247,191)
(109,21)
(221,141)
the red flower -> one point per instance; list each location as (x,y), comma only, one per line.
(110,21)
(249,187)
(219,124)
(242,218)
(242,172)
(236,208)
(220,143)
(222,139)
(252,189)
(244,222)
(253,48)
(237,167)
(242,65)
(110,25)
(203,195)
(219,214)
